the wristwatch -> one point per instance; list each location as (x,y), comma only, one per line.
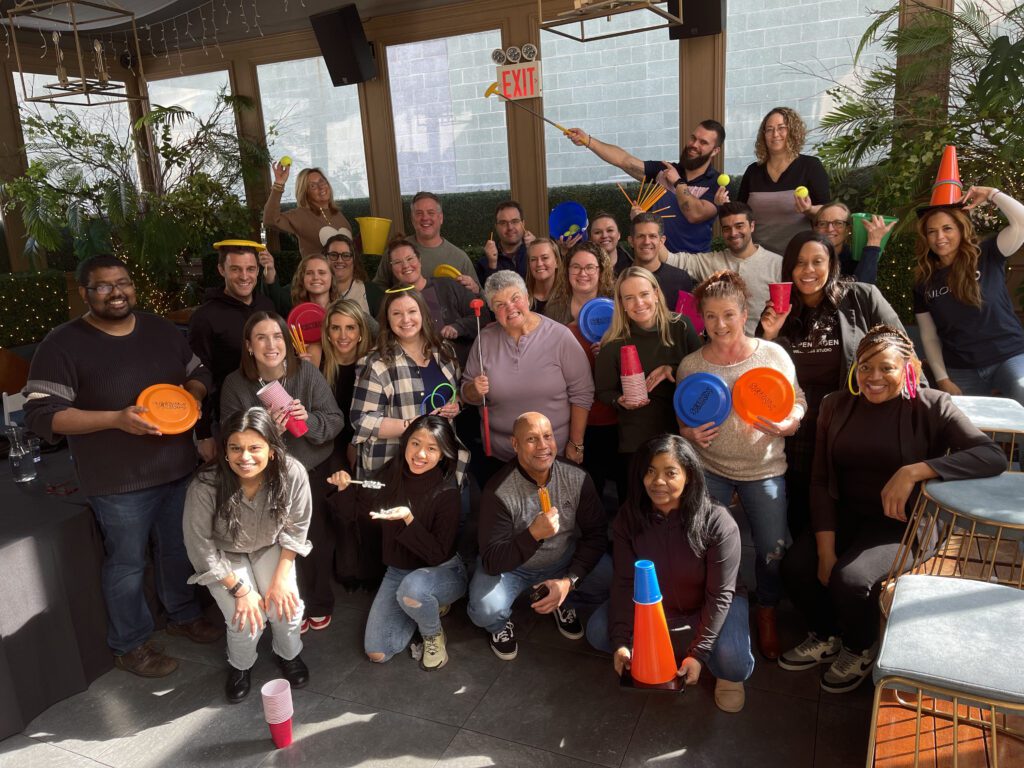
(234,590)
(686,188)
(573,580)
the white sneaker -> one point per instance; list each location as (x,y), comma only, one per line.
(434,654)
(810,653)
(848,671)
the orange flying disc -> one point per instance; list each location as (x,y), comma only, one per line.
(169,408)
(762,392)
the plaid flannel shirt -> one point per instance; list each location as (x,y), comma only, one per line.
(393,391)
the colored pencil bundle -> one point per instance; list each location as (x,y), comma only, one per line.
(297,341)
(647,196)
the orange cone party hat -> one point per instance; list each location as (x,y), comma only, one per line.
(947,189)
(653,662)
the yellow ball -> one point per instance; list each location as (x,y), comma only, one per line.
(574,229)
(286,161)
(802,192)
(723,180)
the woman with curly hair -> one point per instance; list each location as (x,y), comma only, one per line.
(972,338)
(587,275)
(315,209)
(769,185)
(246,518)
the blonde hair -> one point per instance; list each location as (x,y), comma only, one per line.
(795,136)
(302,189)
(556,249)
(330,362)
(962,281)
(619,328)
(299,293)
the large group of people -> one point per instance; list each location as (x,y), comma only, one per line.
(422,386)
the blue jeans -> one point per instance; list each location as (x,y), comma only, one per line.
(128,521)
(491,597)
(764,501)
(1007,377)
(411,599)
(730,659)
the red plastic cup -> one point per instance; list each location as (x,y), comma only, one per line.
(273,395)
(779,293)
(630,361)
(686,304)
(281,733)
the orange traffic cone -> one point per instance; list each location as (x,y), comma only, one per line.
(947,189)
(653,662)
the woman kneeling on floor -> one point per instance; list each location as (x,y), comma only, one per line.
(875,443)
(670,519)
(246,518)
(419,509)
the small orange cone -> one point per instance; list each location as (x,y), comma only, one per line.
(947,189)
(653,661)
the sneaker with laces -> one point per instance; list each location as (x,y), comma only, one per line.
(810,653)
(503,642)
(434,654)
(848,671)
(568,623)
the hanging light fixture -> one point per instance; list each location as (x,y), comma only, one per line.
(594,10)
(82,72)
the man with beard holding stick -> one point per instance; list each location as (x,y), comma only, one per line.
(693,180)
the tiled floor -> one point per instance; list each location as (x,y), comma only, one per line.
(557,706)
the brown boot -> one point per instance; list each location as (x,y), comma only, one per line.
(767,637)
(198,630)
(146,661)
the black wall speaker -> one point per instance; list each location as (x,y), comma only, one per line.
(700,18)
(339,33)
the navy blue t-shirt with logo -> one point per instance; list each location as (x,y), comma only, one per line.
(680,235)
(974,337)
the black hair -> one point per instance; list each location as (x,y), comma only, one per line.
(222,477)
(717,127)
(695,504)
(102,261)
(393,473)
(835,286)
(736,208)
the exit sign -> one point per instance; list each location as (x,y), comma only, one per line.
(520,81)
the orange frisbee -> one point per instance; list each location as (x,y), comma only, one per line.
(762,392)
(168,407)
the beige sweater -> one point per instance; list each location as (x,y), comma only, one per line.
(740,452)
(304,223)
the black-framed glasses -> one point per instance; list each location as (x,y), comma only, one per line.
(333,256)
(105,289)
(832,224)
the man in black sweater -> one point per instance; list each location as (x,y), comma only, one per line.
(84,381)
(215,330)
(556,547)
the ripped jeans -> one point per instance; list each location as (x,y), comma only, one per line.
(764,502)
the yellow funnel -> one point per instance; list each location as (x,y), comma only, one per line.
(374,232)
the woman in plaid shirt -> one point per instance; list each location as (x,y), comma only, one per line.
(410,372)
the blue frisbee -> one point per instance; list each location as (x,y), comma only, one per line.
(595,317)
(700,398)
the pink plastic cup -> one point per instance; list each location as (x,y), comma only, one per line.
(281,733)
(273,395)
(686,305)
(779,293)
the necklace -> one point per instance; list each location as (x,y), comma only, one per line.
(284,373)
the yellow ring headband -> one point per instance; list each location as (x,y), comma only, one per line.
(399,290)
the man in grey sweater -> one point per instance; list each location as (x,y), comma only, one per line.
(542,526)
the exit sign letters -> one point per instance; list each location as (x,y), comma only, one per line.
(520,81)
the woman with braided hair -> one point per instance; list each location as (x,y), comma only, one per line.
(861,489)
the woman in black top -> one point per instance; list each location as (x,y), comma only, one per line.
(828,317)
(419,512)
(861,488)
(769,185)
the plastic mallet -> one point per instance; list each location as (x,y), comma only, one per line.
(477,305)
(494,91)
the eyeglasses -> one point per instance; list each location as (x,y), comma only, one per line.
(590,269)
(770,130)
(105,289)
(340,256)
(404,262)
(832,224)
(509,222)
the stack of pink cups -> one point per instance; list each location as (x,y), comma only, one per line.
(277,710)
(273,395)
(634,383)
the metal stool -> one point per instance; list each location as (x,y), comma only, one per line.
(955,641)
(1000,418)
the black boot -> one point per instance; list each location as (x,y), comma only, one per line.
(237,685)
(294,670)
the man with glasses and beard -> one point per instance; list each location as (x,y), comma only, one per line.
(693,180)
(83,383)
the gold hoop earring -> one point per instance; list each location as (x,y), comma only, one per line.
(849,380)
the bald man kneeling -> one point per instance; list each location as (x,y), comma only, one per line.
(554,547)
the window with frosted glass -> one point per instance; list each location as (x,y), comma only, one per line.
(314,123)
(623,90)
(449,137)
